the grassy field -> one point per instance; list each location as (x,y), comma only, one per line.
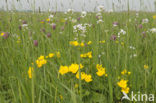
(76,58)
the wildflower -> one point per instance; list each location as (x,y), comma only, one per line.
(83,14)
(146,67)
(153,30)
(88,78)
(51,55)
(74,43)
(58,54)
(41,61)
(89,55)
(30,72)
(63,70)
(89,42)
(102,42)
(61,97)
(154,17)
(100,21)
(126,90)
(122,83)
(83,75)
(48,19)
(2,33)
(144,21)
(115,24)
(48,35)
(129,73)
(35,43)
(124,72)
(101,8)
(113,37)
(82,44)
(53,26)
(101,70)
(75,67)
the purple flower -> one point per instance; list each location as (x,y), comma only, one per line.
(43,30)
(6,35)
(24,22)
(35,43)
(53,26)
(113,37)
(140,26)
(48,35)
(78,19)
(115,23)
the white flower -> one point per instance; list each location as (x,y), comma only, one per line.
(24,25)
(131,47)
(144,21)
(74,20)
(100,21)
(83,14)
(100,8)
(153,30)
(70,11)
(51,16)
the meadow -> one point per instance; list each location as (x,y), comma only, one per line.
(56,57)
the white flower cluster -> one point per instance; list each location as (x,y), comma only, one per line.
(81,29)
(121,32)
(83,14)
(144,21)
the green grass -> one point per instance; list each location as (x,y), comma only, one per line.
(47,84)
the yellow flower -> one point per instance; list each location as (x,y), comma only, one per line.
(102,42)
(122,43)
(89,55)
(88,78)
(89,42)
(83,75)
(41,61)
(30,72)
(74,43)
(61,97)
(48,19)
(126,90)
(154,17)
(146,67)
(74,68)
(101,70)
(129,73)
(51,55)
(63,70)
(82,44)
(124,72)
(58,54)
(122,83)
(2,33)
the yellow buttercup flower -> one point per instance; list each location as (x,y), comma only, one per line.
(2,33)
(74,43)
(124,72)
(154,17)
(89,42)
(30,72)
(126,90)
(58,54)
(74,68)
(48,19)
(63,70)
(146,67)
(83,75)
(122,83)
(82,44)
(88,78)
(41,61)
(102,42)
(101,70)
(89,55)
(51,55)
